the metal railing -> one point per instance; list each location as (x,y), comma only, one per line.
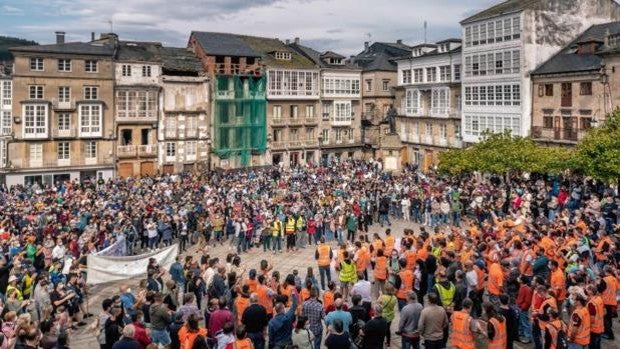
(147,150)
(64,133)
(311,120)
(558,133)
(237,69)
(63,105)
(53,163)
(126,151)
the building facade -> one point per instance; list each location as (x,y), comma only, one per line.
(137,71)
(62,109)
(503,44)
(6,112)
(379,78)
(184,126)
(429,101)
(238,85)
(573,91)
(339,132)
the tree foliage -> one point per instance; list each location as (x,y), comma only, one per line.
(598,153)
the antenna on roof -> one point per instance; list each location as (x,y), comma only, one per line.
(111,26)
(425,26)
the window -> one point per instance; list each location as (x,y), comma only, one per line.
(483,65)
(35,120)
(286,56)
(336,61)
(36,152)
(549,90)
(586,123)
(429,129)
(341,86)
(507,29)
(63,151)
(483,95)
(64,94)
(64,122)
(443,131)
(567,94)
(294,112)
(483,34)
(90,120)
(499,31)
(351,135)
(548,121)
(126,70)
(310,133)
(491,32)
(325,135)
(131,104)
(431,74)
(412,102)
(386,85)
(444,73)
(190,149)
(475,35)
(516,62)
(90,92)
(338,135)
(507,62)
(35,91)
(277,111)
(499,63)
(585,88)
(90,66)
(342,112)
(6,122)
(467,95)
(516,28)
(90,150)
(6,92)
(146,71)
(468,36)
(327,110)
(171,149)
(440,101)
(418,75)
(516,95)
(468,66)
(191,126)
(475,65)
(309,111)
(406,76)
(457,72)
(368,85)
(64,65)
(36,64)
(170,127)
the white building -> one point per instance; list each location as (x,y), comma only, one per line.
(429,100)
(6,121)
(503,44)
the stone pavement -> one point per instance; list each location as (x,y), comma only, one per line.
(284,262)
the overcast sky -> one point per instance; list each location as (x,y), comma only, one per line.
(338,25)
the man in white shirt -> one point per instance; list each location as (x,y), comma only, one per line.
(59,251)
(405,204)
(470,277)
(363,288)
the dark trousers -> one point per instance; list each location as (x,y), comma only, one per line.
(351,235)
(536,335)
(324,271)
(257,339)
(595,341)
(608,321)
(438,344)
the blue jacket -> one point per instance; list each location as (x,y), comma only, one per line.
(280,327)
(176,273)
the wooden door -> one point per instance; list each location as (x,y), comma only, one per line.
(557,127)
(168,169)
(147,168)
(125,170)
(567,94)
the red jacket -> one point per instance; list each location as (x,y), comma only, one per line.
(524,297)
(140,335)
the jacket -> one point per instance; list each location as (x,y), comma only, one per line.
(280,327)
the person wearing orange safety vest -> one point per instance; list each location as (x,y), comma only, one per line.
(558,282)
(540,312)
(380,271)
(389,241)
(403,284)
(578,332)
(596,309)
(496,328)
(495,283)
(241,303)
(552,330)
(323,256)
(463,327)
(241,339)
(609,284)
(265,295)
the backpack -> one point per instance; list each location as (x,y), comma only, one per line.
(562,341)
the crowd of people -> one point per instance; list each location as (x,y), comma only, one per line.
(482,259)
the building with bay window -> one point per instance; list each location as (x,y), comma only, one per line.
(503,44)
(6,112)
(340,112)
(428,101)
(62,113)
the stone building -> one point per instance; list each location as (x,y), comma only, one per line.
(574,89)
(62,109)
(503,44)
(6,110)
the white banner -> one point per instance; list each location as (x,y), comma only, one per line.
(113,268)
(118,248)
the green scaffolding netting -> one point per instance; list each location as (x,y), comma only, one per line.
(240,122)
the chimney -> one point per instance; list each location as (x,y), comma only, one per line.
(399,41)
(288,41)
(92,36)
(297,41)
(366,43)
(60,37)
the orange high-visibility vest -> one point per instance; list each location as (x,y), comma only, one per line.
(389,244)
(406,284)
(525,267)
(241,303)
(481,276)
(253,284)
(554,328)
(410,256)
(550,301)
(380,272)
(499,340)
(583,332)
(264,299)
(324,251)
(242,344)
(609,295)
(596,320)
(461,336)
(328,299)
(558,284)
(496,279)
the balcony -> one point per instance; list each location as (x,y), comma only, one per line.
(278,145)
(296,121)
(311,143)
(126,151)
(225,94)
(341,121)
(427,140)
(140,117)
(237,69)
(446,112)
(409,111)
(148,150)
(311,120)
(442,142)
(296,144)
(191,133)
(62,105)
(26,164)
(564,135)
(64,133)
(278,122)
(456,143)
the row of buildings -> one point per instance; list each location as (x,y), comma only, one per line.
(110,107)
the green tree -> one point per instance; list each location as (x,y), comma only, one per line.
(598,153)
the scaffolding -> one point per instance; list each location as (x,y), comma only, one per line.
(240,122)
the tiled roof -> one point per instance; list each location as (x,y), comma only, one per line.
(266,47)
(224,44)
(434,52)
(568,60)
(138,51)
(505,7)
(379,55)
(317,58)
(82,48)
(179,60)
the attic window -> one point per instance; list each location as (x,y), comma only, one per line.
(337,61)
(285,56)
(614,40)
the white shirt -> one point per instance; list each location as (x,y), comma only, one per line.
(208,276)
(362,288)
(472,280)
(59,252)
